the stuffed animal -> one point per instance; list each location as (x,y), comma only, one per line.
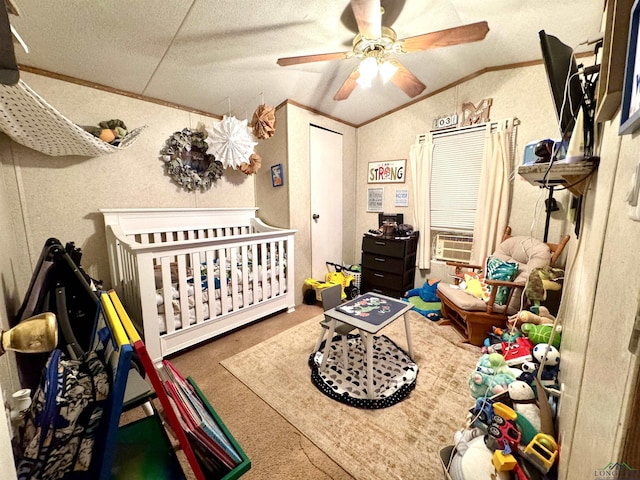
(524,403)
(525,316)
(111,131)
(542,333)
(492,376)
(541,280)
(425,301)
(427,292)
(549,360)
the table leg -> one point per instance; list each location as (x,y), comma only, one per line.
(408,332)
(368,346)
(327,345)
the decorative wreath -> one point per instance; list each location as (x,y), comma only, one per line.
(187,160)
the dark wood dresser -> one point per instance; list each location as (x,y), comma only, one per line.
(388,264)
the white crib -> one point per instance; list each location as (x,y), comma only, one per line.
(186,275)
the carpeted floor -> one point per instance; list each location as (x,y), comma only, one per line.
(402,441)
(278,451)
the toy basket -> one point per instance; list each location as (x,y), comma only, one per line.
(357,275)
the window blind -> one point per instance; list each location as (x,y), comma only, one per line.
(455,177)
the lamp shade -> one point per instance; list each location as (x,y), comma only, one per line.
(36,334)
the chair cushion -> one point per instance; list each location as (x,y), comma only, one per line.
(465,301)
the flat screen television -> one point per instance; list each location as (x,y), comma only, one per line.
(565,84)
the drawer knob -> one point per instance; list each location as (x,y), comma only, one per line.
(380,259)
(379,275)
(381,243)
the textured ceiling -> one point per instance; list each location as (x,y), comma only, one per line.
(219,56)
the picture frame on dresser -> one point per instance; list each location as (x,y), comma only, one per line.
(630,112)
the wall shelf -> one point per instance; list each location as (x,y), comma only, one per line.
(572,176)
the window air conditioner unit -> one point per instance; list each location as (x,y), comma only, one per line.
(454,248)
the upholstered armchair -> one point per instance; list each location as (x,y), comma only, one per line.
(494,291)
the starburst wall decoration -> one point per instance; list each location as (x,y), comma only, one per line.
(231,142)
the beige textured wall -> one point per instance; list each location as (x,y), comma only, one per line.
(522,93)
(298,121)
(600,302)
(273,202)
(61,196)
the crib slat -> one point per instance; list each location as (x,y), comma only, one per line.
(212,283)
(281,261)
(183,289)
(272,279)
(197,288)
(167,295)
(263,270)
(246,287)
(222,264)
(235,300)
(255,273)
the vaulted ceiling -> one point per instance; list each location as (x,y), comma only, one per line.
(219,56)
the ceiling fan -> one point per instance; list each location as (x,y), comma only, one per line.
(375,46)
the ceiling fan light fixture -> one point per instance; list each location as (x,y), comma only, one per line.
(368,70)
(387,70)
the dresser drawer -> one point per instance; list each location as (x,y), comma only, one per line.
(389,247)
(383,263)
(382,279)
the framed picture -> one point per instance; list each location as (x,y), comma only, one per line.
(388,171)
(277,175)
(630,115)
(614,48)
(375,199)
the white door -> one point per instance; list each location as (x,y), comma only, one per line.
(326,199)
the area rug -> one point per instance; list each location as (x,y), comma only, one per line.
(399,442)
(395,373)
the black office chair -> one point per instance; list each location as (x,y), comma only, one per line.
(331,298)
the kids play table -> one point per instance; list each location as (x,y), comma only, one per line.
(369,313)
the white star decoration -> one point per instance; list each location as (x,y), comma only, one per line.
(230,141)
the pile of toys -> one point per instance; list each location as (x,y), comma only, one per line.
(510,433)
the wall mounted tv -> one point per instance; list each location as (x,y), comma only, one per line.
(565,84)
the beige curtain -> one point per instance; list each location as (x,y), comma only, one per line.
(420,163)
(494,194)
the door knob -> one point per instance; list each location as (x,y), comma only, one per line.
(315,216)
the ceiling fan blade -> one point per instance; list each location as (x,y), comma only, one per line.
(406,81)
(321,57)
(444,38)
(368,17)
(348,86)
(392,10)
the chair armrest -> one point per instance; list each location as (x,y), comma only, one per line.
(458,274)
(513,286)
(464,265)
(503,283)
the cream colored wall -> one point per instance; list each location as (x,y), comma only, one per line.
(522,93)
(273,202)
(600,301)
(61,196)
(298,121)
(13,264)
